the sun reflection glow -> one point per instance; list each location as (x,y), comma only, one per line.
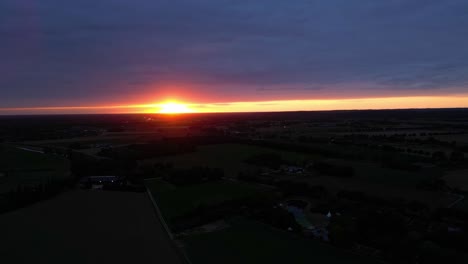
(174,108)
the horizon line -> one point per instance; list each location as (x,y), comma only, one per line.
(240,112)
(301,105)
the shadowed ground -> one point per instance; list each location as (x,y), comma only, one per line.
(86,227)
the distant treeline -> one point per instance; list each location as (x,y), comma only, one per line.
(149,150)
(163,147)
(387,155)
(269,160)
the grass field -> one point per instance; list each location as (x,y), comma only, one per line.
(461,139)
(12,158)
(86,227)
(107,138)
(374,173)
(252,242)
(25,167)
(386,183)
(462,205)
(229,157)
(457,179)
(177,201)
(369,177)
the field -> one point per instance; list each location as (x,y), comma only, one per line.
(229,157)
(176,201)
(14,158)
(25,167)
(369,177)
(461,139)
(86,227)
(462,205)
(338,150)
(107,138)
(385,182)
(457,179)
(252,242)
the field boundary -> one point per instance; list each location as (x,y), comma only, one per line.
(177,247)
(460,198)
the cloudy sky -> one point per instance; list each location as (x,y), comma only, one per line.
(114,52)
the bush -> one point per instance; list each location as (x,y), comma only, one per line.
(270,160)
(334,170)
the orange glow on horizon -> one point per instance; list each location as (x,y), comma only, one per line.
(175,107)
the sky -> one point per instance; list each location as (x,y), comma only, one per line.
(96,56)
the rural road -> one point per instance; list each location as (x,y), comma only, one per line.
(86,227)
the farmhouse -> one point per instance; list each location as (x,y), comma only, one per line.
(293,169)
(97,182)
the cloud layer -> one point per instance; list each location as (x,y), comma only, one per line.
(57,52)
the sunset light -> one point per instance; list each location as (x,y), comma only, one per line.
(174,108)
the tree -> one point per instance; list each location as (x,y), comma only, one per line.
(439,156)
(457,156)
(342,231)
(270,160)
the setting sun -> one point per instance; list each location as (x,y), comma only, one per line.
(174,108)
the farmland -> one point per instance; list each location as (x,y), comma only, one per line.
(229,157)
(371,185)
(252,242)
(23,167)
(457,179)
(385,183)
(86,227)
(177,201)
(369,177)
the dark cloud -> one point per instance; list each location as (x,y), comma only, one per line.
(77,52)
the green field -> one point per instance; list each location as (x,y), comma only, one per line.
(461,139)
(229,157)
(86,227)
(374,173)
(369,177)
(177,201)
(24,167)
(108,138)
(251,242)
(462,205)
(457,179)
(385,183)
